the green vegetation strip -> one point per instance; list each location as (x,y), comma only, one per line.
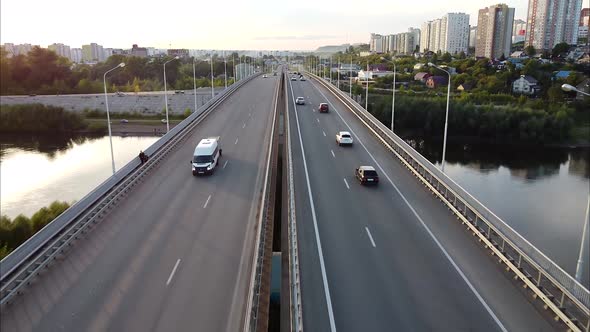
(15,232)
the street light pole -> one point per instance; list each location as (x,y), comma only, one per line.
(367,88)
(225,69)
(446,115)
(195,83)
(212,90)
(166,93)
(580,263)
(350,78)
(393,93)
(338,73)
(106,102)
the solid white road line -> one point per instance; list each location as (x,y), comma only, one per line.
(318,120)
(346,183)
(459,271)
(172,273)
(236,142)
(323,132)
(207,202)
(315,224)
(225,163)
(244,125)
(370,237)
(333,155)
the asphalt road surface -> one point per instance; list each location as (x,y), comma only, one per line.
(389,257)
(176,254)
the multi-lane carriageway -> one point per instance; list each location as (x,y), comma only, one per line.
(176,254)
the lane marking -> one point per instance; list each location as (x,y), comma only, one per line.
(434,238)
(244,125)
(333,155)
(249,114)
(370,237)
(315,223)
(346,183)
(313,109)
(318,120)
(225,163)
(323,132)
(236,142)
(207,202)
(173,272)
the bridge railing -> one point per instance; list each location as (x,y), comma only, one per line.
(29,259)
(559,291)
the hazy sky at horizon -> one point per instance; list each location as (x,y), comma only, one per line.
(259,24)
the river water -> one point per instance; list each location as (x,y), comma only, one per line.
(541,193)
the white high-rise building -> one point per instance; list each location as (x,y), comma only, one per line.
(425,36)
(92,53)
(472,36)
(494,33)
(435,29)
(76,55)
(61,50)
(550,22)
(376,43)
(455,33)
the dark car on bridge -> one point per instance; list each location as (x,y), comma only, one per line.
(323,108)
(367,175)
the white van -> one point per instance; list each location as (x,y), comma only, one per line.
(206,156)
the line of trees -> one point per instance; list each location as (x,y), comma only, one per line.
(41,71)
(14,232)
(42,119)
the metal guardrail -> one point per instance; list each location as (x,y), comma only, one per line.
(296,304)
(30,258)
(559,291)
(252,306)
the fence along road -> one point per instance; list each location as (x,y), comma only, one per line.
(385,268)
(176,253)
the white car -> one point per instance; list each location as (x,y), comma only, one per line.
(302,78)
(264,76)
(300,101)
(293,78)
(344,138)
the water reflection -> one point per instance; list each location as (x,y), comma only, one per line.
(525,163)
(35,171)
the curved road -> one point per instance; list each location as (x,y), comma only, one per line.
(176,254)
(390,257)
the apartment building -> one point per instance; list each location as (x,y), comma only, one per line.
(494,33)
(550,22)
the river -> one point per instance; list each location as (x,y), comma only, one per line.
(542,193)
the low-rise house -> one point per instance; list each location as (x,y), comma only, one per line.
(525,85)
(422,76)
(562,74)
(519,55)
(467,86)
(434,82)
(364,75)
(378,67)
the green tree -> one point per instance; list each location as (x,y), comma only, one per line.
(446,57)
(555,94)
(559,49)
(530,50)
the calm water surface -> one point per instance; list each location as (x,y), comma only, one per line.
(540,192)
(37,171)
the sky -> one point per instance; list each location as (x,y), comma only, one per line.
(227,25)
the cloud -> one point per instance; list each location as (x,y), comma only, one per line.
(304,37)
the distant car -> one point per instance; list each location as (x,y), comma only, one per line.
(164,121)
(264,76)
(179,91)
(366,175)
(302,78)
(323,108)
(344,138)
(300,101)
(293,78)
(124,121)
(120,94)
(32,95)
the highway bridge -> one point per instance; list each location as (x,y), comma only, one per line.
(154,248)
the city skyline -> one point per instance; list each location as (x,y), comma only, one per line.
(253,26)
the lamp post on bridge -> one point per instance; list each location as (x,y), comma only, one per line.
(166,92)
(446,114)
(106,102)
(195,82)
(580,263)
(393,88)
